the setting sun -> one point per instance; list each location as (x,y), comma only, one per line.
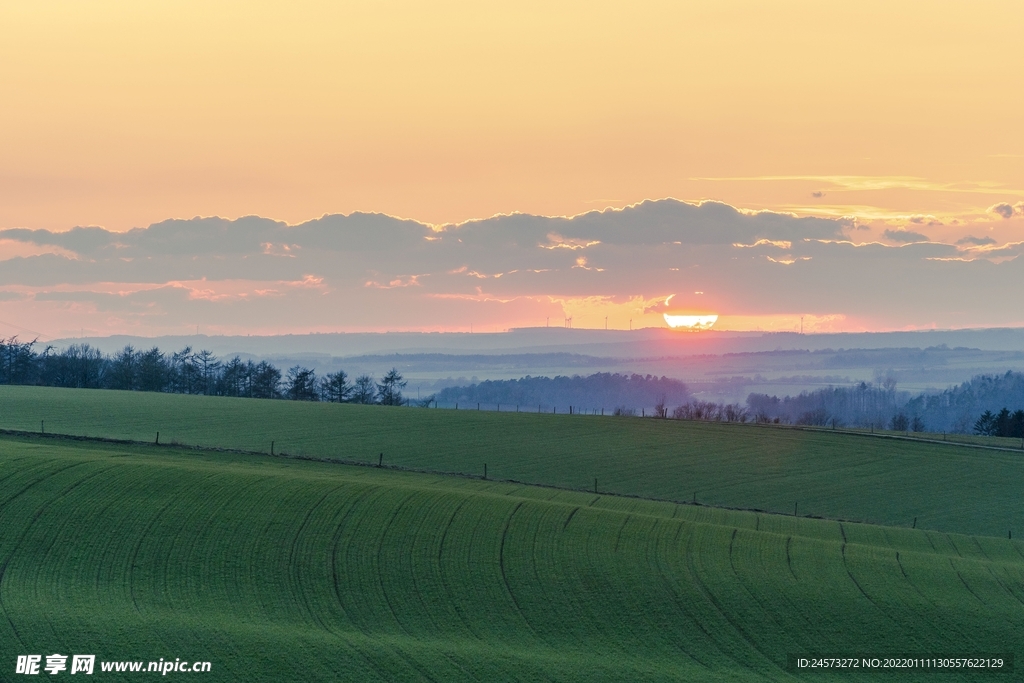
(690,322)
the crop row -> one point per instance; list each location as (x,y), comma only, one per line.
(279,570)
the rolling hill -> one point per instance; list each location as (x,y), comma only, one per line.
(276,569)
(838,476)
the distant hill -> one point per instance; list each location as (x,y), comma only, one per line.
(600,390)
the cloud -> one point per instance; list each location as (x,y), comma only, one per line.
(904,236)
(370,271)
(1007,210)
(976,241)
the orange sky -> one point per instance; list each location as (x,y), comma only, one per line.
(121,114)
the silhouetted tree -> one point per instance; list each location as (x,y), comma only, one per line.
(207,365)
(389,389)
(184,375)
(986,424)
(78,366)
(365,390)
(234,378)
(301,384)
(334,387)
(124,369)
(264,380)
(153,372)
(18,361)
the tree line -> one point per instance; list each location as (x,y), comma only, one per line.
(978,405)
(187,372)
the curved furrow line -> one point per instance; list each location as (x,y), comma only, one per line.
(980,549)
(384,593)
(849,573)
(950,539)
(768,610)
(710,597)
(380,574)
(293,565)
(35,517)
(913,585)
(15,471)
(36,482)
(55,531)
(1004,586)
(569,518)
(443,573)
(395,512)
(335,541)
(966,585)
(357,551)
(3,608)
(681,605)
(618,536)
(593,561)
(789,559)
(138,546)
(335,585)
(504,574)
(424,516)
(361,518)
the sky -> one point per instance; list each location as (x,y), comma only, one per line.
(897,124)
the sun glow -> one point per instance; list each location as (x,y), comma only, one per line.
(690,322)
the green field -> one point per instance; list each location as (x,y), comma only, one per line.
(288,570)
(860,478)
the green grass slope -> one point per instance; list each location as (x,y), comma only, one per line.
(284,570)
(838,476)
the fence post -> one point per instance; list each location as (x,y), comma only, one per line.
(271,447)
(380,460)
(158,438)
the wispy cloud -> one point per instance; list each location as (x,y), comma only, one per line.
(904,236)
(862,183)
(976,241)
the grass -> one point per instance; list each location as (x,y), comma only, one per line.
(286,570)
(817,472)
